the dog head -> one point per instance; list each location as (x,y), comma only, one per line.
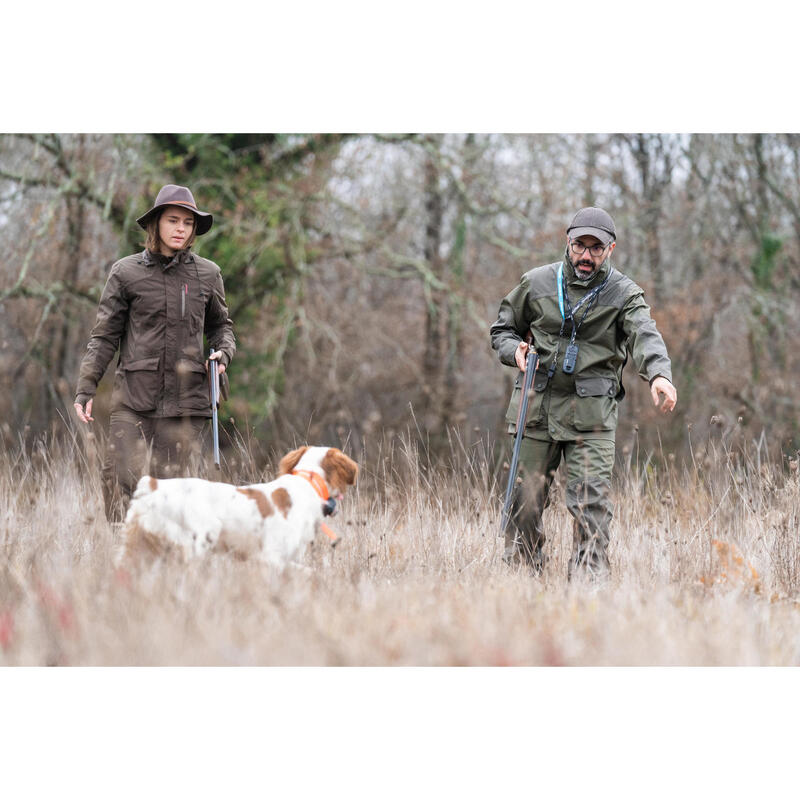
(338,470)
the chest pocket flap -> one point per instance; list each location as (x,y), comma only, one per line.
(595,387)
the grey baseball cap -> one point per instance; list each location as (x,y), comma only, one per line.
(593,222)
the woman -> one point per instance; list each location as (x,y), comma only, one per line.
(155,308)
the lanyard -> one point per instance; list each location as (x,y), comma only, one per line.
(560,286)
(589,299)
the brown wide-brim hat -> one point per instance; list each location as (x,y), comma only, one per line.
(172,195)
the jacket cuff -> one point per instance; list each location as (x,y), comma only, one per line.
(507,351)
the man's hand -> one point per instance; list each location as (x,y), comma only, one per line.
(85,414)
(663,386)
(216,357)
(520,354)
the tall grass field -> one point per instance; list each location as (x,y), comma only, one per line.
(705,571)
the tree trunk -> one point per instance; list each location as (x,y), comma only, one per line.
(433,357)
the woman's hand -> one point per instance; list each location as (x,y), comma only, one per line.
(85,414)
(216,357)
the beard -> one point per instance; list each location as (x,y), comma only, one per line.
(582,260)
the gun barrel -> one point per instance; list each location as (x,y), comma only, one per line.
(213,377)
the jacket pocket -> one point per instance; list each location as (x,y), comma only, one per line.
(193,387)
(595,404)
(140,384)
(534,414)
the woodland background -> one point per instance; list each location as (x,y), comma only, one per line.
(362,273)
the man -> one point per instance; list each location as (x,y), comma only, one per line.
(156,308)
(584,318)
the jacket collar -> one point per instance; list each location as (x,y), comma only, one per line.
(156,259)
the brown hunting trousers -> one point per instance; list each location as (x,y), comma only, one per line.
(164,447)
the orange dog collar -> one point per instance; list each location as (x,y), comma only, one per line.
(315,480)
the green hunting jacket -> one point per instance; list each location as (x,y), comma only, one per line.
(583,404)
(155,311)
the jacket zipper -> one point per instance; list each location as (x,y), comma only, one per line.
(184,295)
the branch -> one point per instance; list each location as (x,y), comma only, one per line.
(509,248)
(51,300)
(293,155)
(40,231)
(47,184)
(71,188)
(788,203)
(53,147)
(420,265)
(396,138)
(446,164)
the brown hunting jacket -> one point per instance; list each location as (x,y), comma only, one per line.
(155,310)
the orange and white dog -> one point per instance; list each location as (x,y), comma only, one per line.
(272,521)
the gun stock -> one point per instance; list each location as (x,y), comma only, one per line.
(531,364)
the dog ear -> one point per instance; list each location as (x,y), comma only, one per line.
(340,470)
(289,461)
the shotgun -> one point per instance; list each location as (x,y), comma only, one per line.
(531,363)
(213,381)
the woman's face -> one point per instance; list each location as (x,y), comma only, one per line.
(175,227)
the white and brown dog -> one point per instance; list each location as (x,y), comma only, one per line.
(270,521)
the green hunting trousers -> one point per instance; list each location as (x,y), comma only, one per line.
(164,447)
(589,465)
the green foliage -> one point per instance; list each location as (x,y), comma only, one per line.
(763,265)
(257,240)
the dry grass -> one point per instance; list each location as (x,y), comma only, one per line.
(417,579)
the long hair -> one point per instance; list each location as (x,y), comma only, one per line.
(153,241)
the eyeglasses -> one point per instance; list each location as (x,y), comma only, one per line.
(579,249)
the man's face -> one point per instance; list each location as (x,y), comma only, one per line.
(587,262)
